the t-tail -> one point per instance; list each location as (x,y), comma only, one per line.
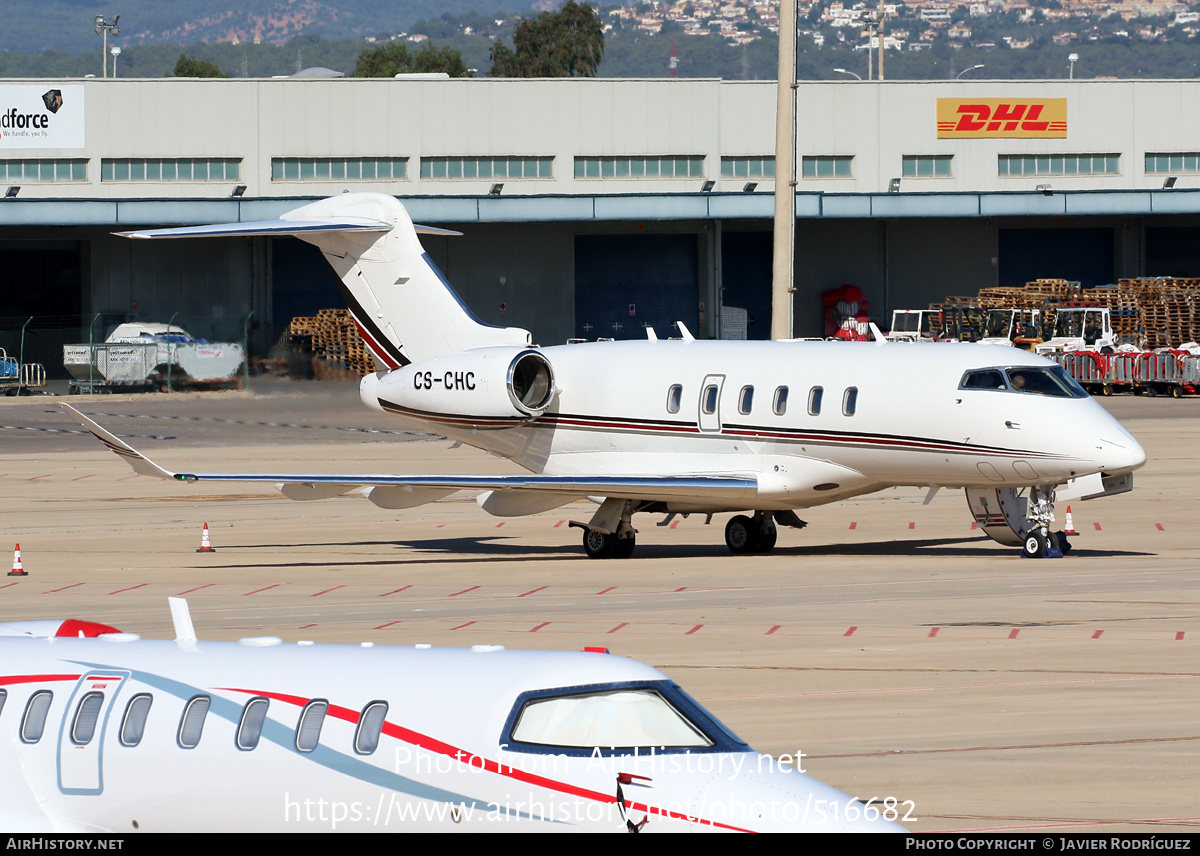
(405,309)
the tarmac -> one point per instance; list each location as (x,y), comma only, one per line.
(895,646)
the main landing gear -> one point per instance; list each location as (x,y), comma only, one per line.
(610,533)
(755,534)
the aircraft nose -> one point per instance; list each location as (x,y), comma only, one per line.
(1120,452)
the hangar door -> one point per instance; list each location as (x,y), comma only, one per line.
(746,277)
(42,281)
(302,282)
(1083,255)
(1173,251)
(625,282)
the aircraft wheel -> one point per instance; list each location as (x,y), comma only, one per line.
(739,533)
(598,545)
(624,548)
(1035,545)
(768,534)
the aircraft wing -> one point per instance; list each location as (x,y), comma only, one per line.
(277,227)
(399,491)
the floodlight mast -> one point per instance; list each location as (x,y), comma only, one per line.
(103,27)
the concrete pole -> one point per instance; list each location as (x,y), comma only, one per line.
(785,176)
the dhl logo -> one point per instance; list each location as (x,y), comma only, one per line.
(1001,117)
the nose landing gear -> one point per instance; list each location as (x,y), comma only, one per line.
(1017,520)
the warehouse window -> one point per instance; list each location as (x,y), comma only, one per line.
(170,169)
(44,169)
(926,166)
(338,169)
(748,167)
(472,167)
(666,166)
(1173,162)
(1060,165)
(828,166)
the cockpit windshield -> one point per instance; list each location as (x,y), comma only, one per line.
(1036,380)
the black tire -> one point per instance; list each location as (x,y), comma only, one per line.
(624,548)
(1151,391)
(768,534)
(1106,390)
(1035,545)
(1176,392)
(739,534)
(597,544)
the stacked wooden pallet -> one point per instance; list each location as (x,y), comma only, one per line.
(337,347)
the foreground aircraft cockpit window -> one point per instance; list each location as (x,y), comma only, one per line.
(133,726)
(83,729)
(191,724)
(35,716)
(614,718)
(984,379)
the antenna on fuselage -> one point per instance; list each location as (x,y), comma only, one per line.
(181,617)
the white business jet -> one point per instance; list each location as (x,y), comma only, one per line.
(688,426)
(103,731)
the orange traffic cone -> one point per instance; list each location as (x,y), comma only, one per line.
(1070,524)
(205,545)
(18,569)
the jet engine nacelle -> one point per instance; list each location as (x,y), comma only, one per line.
(508,384)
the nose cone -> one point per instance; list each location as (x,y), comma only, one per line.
(1118,451)
(766,796)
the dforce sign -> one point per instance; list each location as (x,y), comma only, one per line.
(959,118)
(35,118)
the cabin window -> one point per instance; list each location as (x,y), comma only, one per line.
(87,714)
(3,699)
(746,400)
(849,401)
(133,725)
(674,397)
(780,404)
(191,724)
(814,400)
(308,729)
(709,404)
(251,725)
(370,726)
(985,379)
(623,718)
(34,721)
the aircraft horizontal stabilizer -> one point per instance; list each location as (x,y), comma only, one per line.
(736,491)
(278,227)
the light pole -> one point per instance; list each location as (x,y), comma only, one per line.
(116,52)
(851,73)
(103,27)
(957,77)
(1072,58)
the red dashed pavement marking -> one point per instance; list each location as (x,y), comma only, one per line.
(771,632)
(681,588)
(462,626)
(501,523)
(1013,633)
(64,588)
(850,632)
(327,591)
(441,526)
(35,478)
(933,631)
(396,591)
(131,588)
(81,478)
(558,524)
(539,627)
(619,626)
(6,585)
(197,588)
(264,588)
(1158,526)
(1178,635)
(305,626)
(974,525)
(607,590)
(532,591)
(1097,525)
(464,591)
(127,478)
(674,523)
(389,624)
(853,524)
(912,524)
(1096,635)
(693,630)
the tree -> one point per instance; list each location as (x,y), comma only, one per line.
(189,66)
(566,43)
(394,58)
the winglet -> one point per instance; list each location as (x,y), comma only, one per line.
(181,617)
(142,465)
(880,339)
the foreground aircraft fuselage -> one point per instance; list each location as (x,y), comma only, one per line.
(690,426)
(119,734)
